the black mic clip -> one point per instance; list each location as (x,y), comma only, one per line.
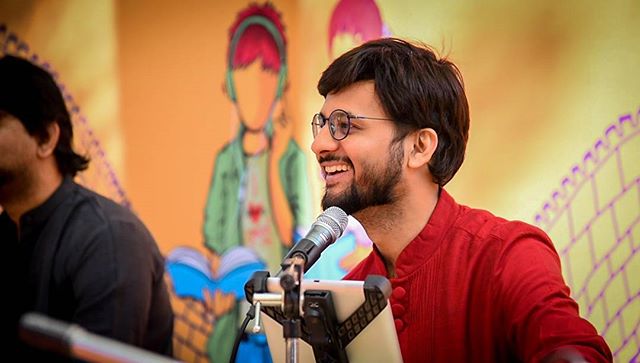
(304,251)
(291,281)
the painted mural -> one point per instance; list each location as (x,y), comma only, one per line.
(258,202)
(241,229)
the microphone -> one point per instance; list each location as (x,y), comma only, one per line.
(324,231)
(73,341)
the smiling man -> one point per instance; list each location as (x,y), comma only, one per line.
(467,285)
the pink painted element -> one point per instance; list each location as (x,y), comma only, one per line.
(256,41)
(356,17)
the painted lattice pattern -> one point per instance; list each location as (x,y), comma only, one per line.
(100,175)
(192,328)
(593,219)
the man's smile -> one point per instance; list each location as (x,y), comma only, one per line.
(335,171)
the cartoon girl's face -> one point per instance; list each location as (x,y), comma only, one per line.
(255,94)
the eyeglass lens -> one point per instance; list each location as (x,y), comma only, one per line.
(338,124)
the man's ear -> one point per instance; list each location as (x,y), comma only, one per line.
(424,144)
(47,145)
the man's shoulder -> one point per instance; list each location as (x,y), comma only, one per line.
(96,202)
(485,226)
(98,213)
(94,225)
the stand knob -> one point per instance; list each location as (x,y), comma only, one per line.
(256,325)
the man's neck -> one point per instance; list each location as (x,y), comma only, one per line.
(38,191)
(393,227)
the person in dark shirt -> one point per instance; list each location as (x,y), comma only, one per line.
(467,286)
(71,254)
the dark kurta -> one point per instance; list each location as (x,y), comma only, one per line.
(84,259)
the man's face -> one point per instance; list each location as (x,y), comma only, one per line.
(365,168)
(18,154)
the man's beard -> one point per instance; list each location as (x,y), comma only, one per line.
(373,187)
(7,180)
(5,177)
(14,184)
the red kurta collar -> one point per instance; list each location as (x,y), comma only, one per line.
(422,247)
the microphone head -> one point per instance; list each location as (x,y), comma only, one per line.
(334,218)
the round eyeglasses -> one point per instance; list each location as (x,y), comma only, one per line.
(339,123)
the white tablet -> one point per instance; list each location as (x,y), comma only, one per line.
(376,342)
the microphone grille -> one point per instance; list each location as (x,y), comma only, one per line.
(336,219)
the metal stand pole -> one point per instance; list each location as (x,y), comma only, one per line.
(291,281)
(289,301)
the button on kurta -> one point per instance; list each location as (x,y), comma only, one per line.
(399,325)
(398,293)
(398,310)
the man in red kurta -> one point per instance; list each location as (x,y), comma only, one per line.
(467,286)
(475,287)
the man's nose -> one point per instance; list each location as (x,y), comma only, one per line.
(324,142)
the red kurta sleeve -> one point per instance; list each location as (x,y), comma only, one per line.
(540,316)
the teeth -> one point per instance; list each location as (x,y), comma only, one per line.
(336,168)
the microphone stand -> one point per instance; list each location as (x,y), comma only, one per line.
(291,281)
(290,303)
(311,316)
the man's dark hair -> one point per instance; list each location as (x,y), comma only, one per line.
(30,94)
(416,89)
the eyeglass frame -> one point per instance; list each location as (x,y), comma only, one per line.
(326,120)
